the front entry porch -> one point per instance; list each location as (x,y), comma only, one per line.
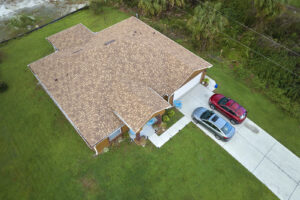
(159,140)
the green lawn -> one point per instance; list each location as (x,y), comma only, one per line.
(42,156)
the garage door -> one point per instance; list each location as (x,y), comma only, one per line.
(186,87)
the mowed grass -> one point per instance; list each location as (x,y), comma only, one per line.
(42,156)
(189,166)
(261,110)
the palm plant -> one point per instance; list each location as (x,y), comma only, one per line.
(266,8)
(155,7)
(206,22)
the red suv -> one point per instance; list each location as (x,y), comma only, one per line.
(228,107)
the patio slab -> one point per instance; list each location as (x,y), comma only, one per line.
(159,141)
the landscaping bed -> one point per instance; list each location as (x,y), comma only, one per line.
(171,116)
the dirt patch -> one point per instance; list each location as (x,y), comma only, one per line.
(89,184)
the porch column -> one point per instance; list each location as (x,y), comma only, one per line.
(203,75)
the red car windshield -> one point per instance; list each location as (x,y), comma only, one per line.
(223,101)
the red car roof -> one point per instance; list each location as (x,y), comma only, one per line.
(237,108)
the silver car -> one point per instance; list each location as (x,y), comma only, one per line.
(220,127)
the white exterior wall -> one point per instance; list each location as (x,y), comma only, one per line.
(188,86)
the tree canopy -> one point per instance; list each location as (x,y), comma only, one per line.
(206,22)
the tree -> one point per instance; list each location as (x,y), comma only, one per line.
(3,86)
(268,8)
(155,7)
(206,22)
(1,56)
(97,6)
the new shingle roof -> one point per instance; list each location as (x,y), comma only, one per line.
(115,76)
(75,36)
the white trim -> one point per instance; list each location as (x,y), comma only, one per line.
(54,47)
(96,150)
(60,108)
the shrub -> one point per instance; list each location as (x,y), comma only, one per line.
(3,86)
(171,113)
(205,81)
(159,120)
(22,21)
(96,6)
(155,126)
(1,56)
(166,118)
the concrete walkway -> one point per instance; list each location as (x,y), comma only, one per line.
(159,141)
(272,163)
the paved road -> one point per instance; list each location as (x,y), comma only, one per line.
(272,163)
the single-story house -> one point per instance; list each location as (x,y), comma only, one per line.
(115,80)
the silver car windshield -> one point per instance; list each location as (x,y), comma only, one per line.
(207,114)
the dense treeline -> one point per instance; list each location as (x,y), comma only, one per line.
(232,30)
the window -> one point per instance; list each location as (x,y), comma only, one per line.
(211,125)
(223,101)
(215,118)
(114,134)
(232,112)
(214,127)
(207,114)
(225,108)
(206,122)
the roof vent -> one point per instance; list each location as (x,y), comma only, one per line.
(109,42)
(77,51)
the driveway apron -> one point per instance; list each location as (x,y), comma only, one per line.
(267,159)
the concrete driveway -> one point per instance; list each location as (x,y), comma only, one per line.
(272,163)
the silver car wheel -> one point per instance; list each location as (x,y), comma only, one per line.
(217,137)
(233,121)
